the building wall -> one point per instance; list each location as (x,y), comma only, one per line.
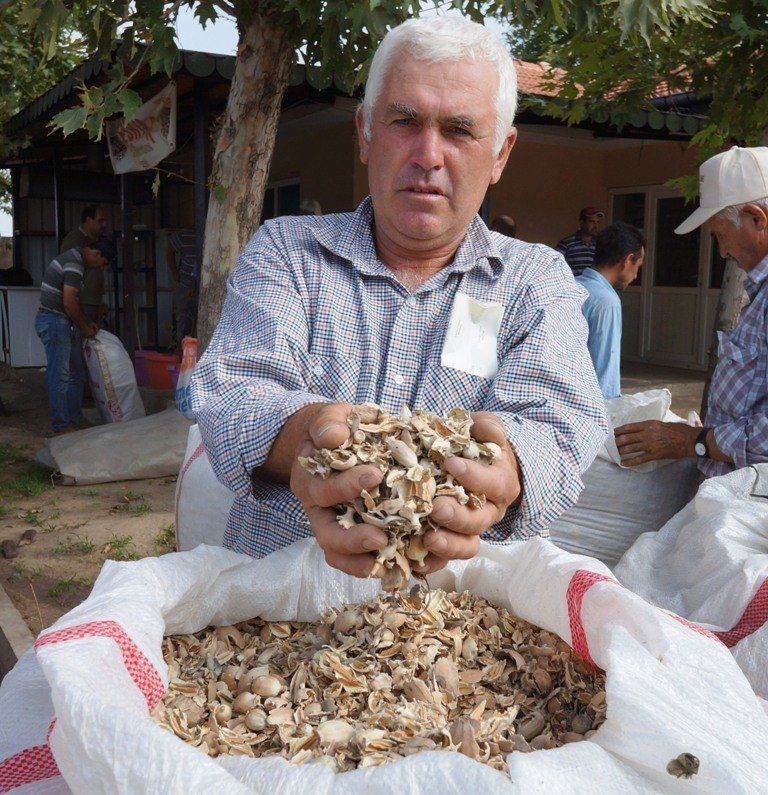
(322,162)
(545,185)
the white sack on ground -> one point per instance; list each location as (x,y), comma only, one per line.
(202,501)
(709,564)
(112,378)
(620,503)
(151,447)
(670,689)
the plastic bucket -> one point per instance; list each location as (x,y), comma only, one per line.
(159,374)
(141,367)
(174,370)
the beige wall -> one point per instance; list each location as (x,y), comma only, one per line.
(323,164)
(545,185)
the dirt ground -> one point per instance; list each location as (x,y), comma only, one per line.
(75,528)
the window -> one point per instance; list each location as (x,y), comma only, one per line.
(282,198)
(630,208)
(676,256)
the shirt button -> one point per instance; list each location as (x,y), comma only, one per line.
(399,379)
(318,370)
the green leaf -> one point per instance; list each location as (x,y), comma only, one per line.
(70,120)
(219,193)
(156,184)
(130,102)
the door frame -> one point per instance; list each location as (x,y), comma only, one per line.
(704,295)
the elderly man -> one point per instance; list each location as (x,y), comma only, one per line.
(734,207)
(408,300)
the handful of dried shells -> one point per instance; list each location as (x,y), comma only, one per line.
(370,684)
(409,449)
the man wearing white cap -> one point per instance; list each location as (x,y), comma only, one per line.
(734,207)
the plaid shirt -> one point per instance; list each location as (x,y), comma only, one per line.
(738,398)
(312,316)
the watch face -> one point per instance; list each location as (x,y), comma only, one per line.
(700,448)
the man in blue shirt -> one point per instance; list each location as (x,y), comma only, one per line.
(619,253)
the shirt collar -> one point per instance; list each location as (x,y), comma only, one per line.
(755,278)
(595,275)
(353,241)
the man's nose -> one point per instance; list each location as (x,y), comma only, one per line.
(428,151)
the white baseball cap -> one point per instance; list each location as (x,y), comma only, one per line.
(737,176)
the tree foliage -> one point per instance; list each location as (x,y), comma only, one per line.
(719,57)
(336,36)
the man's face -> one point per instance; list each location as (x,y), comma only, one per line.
(590,225)
(748,243)
(431,155)
(632,265)
(97,225)
(93,258)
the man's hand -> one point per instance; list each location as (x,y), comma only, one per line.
(89,329)
(655,440)
(352,551)
(458,536)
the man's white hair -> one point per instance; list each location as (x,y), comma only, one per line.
(442,39)
(733,214)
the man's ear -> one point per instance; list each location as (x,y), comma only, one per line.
(361,139)
(503,156)
(756,215)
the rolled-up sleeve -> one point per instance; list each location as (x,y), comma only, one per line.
(548,398)
(249,381)
(745,440)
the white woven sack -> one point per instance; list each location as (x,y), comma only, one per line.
(112,378)
(148,447)
(710,564)
(202,501)
(670,688)
(620,503)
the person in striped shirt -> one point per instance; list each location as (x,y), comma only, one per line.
(579,248)
(61,323)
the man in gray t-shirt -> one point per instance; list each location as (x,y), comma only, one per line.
(61,323)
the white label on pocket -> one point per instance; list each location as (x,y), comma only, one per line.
(473,331)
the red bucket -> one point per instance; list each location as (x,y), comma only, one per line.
(159,374)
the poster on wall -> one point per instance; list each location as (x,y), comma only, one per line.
(149,137)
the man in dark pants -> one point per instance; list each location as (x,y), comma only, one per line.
(61,323)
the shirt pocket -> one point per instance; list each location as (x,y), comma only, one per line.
(737,377)
(333,377)
(445,388)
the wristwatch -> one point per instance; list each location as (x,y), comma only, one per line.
(700,445)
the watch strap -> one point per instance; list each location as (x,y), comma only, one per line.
(701,439)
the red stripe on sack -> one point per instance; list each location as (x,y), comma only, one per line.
(139,668)
(191,460)
(27,767)
(755,615)
(695,627)
(580,583)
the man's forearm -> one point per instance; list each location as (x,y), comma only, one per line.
(282,454)
(76,315)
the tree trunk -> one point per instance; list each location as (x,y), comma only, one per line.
(242,156)
(729,305)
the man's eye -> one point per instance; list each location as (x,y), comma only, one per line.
(460,131)
(404,122)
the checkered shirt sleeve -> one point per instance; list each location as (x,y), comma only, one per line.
(738,401)
(249,383)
